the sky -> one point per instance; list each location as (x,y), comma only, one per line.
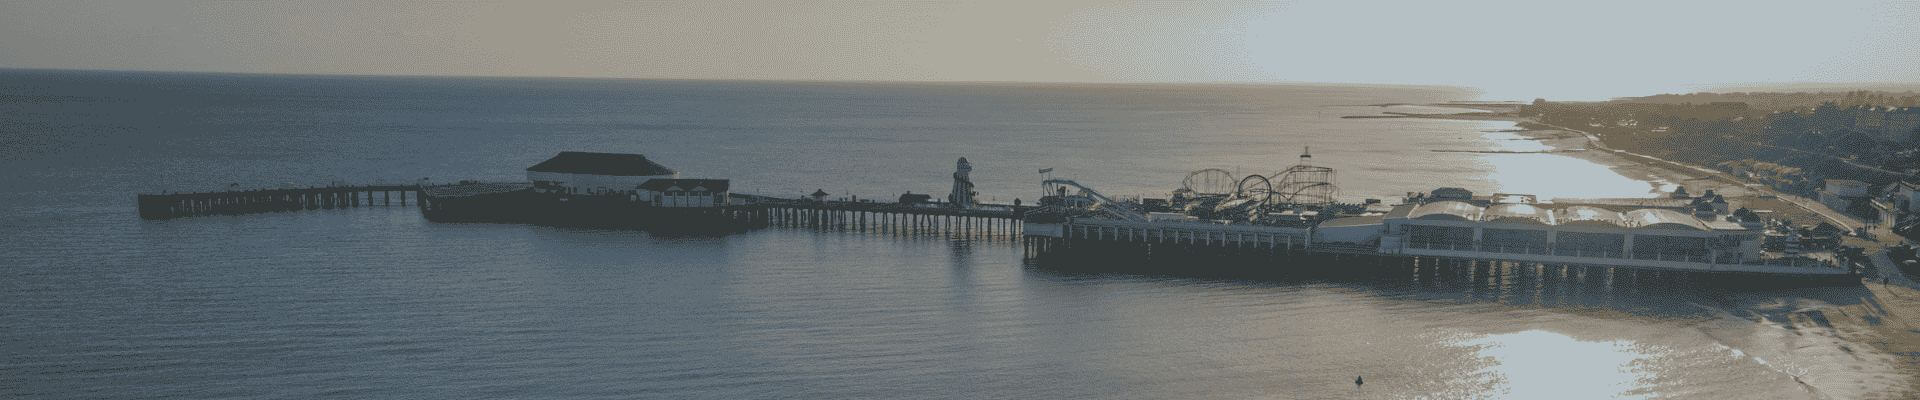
(1510,50)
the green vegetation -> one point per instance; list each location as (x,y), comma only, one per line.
(1789,140)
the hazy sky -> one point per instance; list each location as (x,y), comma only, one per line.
(1511,49)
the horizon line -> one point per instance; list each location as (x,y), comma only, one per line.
(1732,87)
(793,80)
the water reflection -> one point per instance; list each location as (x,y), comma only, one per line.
(1554,167)
(1538,364)
(1506,330)
(1630,291)
(1557,175)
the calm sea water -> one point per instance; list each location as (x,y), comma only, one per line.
(379,303)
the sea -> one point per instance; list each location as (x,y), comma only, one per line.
(377,302)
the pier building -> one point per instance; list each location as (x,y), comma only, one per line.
(1575,234)
(1674,233)
(1552,234)
(579,172)
(684,193)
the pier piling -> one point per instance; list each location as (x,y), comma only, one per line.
(988,222)
(177,205)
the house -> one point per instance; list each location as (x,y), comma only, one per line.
(683,193)
(1887,123)
(1824,235)
(1905,196)
(1870,119)
(579,172)
(1840,194)
(1902,125)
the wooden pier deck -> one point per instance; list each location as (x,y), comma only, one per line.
(176,205)
(986,221)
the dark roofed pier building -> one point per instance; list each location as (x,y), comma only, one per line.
(594,189)
(579,172)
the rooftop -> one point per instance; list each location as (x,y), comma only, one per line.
(1590,215)
(614,164)
(1617,203)
(1448,209)
(1639,218)
(1657,218)
(1518,212)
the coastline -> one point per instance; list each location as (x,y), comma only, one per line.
(1666,178)
(1663,179)
(1861,321)
(1859,314)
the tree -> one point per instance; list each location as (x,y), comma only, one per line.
(1784,127)
(1829,117)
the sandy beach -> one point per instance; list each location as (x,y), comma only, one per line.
(1813,322)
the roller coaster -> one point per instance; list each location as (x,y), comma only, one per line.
(1301,185)
(1306,184)
(1099,202)
(1217,193)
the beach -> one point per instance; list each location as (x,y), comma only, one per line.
(1881,312)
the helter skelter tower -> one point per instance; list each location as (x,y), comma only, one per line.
(962,196)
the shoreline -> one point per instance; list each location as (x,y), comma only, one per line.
(1886,299)
(1587,146)
(1662,179)
(1577,144)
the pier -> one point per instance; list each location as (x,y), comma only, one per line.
(985,221)
(1213,214)
(1149,239)
(176,205)
(1255,218)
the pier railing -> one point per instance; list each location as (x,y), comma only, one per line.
(1584,252)
(1538,250)
(983,222)
(176,205)
(1697,258)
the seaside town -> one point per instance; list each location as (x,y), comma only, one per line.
(1854,153)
